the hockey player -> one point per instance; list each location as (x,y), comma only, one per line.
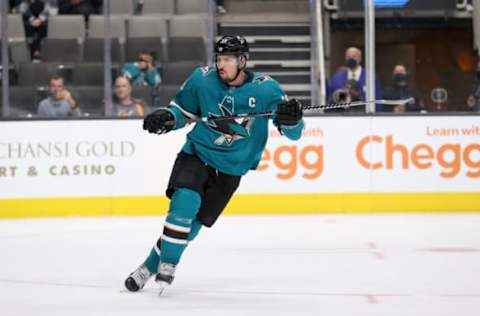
(217,153)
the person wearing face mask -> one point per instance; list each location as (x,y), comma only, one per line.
(400,90)
(473,101)
(352,71)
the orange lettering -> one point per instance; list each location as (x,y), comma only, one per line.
(391,149)
(265,157)
(359,152)
(316,166)
(417,156)
(290,166)
(453,164)
(470,163)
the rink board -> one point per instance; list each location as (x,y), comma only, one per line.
(341,164)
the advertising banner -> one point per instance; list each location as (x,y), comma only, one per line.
(346,163)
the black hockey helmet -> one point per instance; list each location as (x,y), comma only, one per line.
(231,44)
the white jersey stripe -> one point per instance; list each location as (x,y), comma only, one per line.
(186,113)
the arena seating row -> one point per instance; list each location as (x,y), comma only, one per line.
(161,6)
(174,38)
(29,84)
(24,99)
(37,74)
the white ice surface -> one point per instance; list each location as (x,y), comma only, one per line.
(427,265)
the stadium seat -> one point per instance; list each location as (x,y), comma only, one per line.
(186,49)
(178,72)
(143,93)
(23,101)
(85,74)
(12,74)
(35,74)
(164,7)
(147,26)
(19,52)
(122,7)
(16,28)
(146,33)
(136,45)
(90,99)
(61,50)
(18,48)
(188,26)
(192,6)
(94,43)
(66,34)
(66,27)
(96,27)
(94,48)
(164,94)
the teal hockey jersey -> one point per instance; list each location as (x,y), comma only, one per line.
(204,94)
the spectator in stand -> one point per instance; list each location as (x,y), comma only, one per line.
(60,102)
(84,7)
(13,6)
(221,7)
(143,72)
(400,90)
(138,8)
(123,103)
(352,71)
(349,93)
(473,101)
(35,18)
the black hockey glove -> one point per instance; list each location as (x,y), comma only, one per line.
(156,122)
(289,112)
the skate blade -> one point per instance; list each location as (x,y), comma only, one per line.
(144,290)
(162,287)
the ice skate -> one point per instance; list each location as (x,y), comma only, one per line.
(138,278)
(165,275)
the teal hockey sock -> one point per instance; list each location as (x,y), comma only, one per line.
(184,207)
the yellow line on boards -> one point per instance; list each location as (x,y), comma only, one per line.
(250,204)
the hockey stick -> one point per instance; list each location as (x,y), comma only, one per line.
(329,106)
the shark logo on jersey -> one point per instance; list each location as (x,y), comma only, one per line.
(206,70)
(230,129)
(262,79)
(227,104)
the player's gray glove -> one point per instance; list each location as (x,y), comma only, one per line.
(156,122)
(289,112)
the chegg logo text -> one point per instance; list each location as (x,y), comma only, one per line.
(288,159)
(451,157)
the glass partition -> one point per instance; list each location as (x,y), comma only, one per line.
(64,61)
(115,58)
(423,50)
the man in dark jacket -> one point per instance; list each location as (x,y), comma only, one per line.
(353,71)
(84,7)
(35,15)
